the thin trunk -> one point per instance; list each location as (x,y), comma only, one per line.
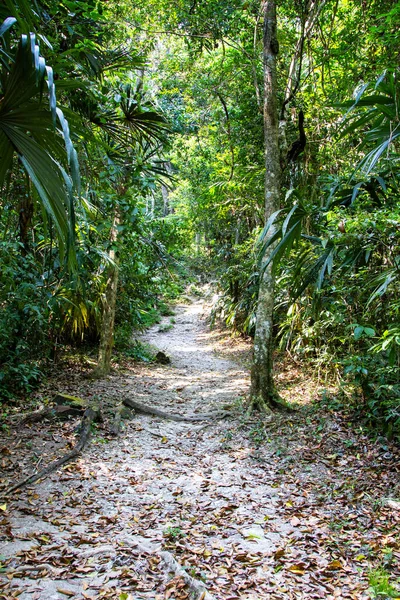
(262,386)
(308,22)
(25,216)
(198,243)
(165,197)
(109,301)
(229,132)
(237,231)
(165,191)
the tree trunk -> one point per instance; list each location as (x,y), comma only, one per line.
(165,191)
(308,21)
(263,393)
(25,216)
(165,196)
(109,301)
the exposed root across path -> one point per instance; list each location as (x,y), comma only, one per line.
(296,506)
(150,410)
(197,588)
(89,417)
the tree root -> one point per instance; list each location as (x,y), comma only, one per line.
(53,571)
(197,588)
(54,412)
(267,406)
(90,415)
(116,424)
(65,406)
(148,410)
(258,404)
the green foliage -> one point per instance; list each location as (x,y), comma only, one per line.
(119,135)
(340,263)
(24,329)
(173,532)
(198,195)
(238,281)
(380,584)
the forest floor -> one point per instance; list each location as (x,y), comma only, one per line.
(294,506)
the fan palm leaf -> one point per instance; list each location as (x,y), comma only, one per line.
(38,136)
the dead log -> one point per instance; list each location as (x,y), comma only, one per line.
(90,415)
(198,589)
(149,410)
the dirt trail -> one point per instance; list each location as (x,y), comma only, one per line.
(161,484)
(198,379)
(203,492)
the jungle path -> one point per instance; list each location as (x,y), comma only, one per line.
(238,504)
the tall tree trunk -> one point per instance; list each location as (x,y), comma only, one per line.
(263,392)
(109,301)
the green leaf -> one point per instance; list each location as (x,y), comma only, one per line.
(369,332)
(28,129)
(358,331)
(5,26)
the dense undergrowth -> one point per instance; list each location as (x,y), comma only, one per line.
(45,313)
(347,322)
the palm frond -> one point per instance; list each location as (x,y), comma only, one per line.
(315,272)
(26,12)
(28,129)
(272,250)
(377,116)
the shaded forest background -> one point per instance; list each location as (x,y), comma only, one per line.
(132,163)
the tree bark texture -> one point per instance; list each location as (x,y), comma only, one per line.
(109,301)
(262,384)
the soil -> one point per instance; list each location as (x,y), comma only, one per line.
(300,506)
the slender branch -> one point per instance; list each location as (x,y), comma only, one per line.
(297,60)
(90,415)
(228,126)
(253,67)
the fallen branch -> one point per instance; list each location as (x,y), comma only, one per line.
(31,416)
(90,415)
(149,410)
(196,587)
